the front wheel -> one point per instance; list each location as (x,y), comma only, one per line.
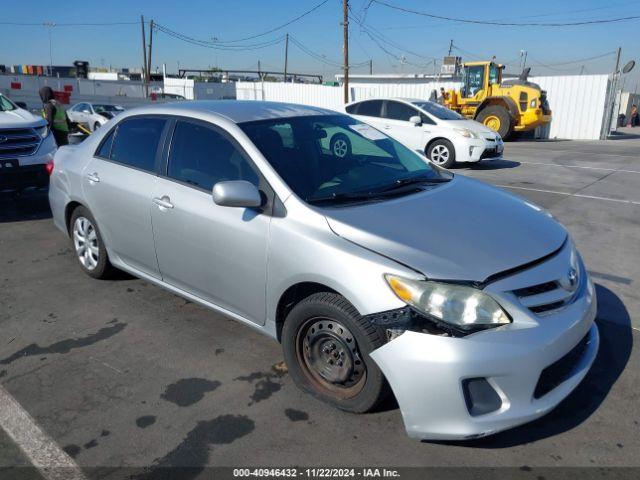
(326,346)
(340,145)
(497,119)
(442,153)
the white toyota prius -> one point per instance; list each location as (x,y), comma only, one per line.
(444,136)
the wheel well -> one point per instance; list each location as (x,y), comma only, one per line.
(294,295)
(432,141)
(68,211)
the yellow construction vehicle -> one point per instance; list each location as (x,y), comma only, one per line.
(513,105)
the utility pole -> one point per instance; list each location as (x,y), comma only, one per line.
(345,23)
(371,67)
(259,74)
(450,47)
(286,56)
(150,47)
(612,99)
(144,58)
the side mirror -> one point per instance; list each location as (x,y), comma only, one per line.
(237,193)
(416,120)
(22,105)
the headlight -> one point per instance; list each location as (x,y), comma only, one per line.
(465,132)
(463,307)
(42,131)
(533,103)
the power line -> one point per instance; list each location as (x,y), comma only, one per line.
(207,44)
(506,24)
(56,24)
(279,27)
(322,58)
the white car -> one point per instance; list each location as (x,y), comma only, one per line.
(444,136)
(93,115)
(26,148)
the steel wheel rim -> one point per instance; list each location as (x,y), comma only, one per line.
(329,357)
(439,154)
(492,122)
(340,148)
(85,241)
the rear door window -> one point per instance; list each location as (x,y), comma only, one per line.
(136,142)
(399,111)
(370,108)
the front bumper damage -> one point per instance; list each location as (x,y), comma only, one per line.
(523,370)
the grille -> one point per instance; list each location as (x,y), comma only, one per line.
(548,296)
(489,153)
(18,142)
(561,370)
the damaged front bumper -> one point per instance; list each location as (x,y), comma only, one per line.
(455,388)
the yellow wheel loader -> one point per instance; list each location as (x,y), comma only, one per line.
(513,105)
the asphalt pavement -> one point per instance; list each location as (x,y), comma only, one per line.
(121,373)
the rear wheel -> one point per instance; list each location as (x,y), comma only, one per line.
(88,245)
(326,346)
(442,153)
(497,119)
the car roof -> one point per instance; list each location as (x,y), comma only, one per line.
(399,99)
(240,111)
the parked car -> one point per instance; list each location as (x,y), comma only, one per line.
(93,115)
(444,136)
(372,269)
(26,148)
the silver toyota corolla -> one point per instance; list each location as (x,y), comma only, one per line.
(375,270)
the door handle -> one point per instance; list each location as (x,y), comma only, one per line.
(387,127)
(164,202)
(93,177)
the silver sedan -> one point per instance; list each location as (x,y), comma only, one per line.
(376,270)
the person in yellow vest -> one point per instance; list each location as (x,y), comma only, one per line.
(56,116)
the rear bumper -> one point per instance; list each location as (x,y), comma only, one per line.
(531,119)
(427,372)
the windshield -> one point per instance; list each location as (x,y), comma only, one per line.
(337,158)
(6,105)
(438,111)
(107,108)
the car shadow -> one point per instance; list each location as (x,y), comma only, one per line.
(27,205)
(616,342)
(489,165)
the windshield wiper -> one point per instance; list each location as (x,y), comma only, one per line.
(341,197)
(403,182)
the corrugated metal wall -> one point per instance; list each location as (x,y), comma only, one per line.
(577,101)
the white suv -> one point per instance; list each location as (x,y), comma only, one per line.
(26,148)
(441,134)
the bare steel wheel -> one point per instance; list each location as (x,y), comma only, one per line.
(327,346)
(88,245)
(329,353)
(85,241)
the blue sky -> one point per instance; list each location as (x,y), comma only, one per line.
(321,32)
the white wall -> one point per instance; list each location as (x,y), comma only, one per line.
(577,101)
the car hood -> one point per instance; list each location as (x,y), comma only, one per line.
(19,118)
(472,125)
(464,230)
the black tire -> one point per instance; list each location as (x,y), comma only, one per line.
(96,126)
(336,313)
(102,268)
(340,145)
(506,122)
(437,150)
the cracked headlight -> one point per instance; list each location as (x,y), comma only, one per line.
(458,305)
(42,131)
(465,132)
